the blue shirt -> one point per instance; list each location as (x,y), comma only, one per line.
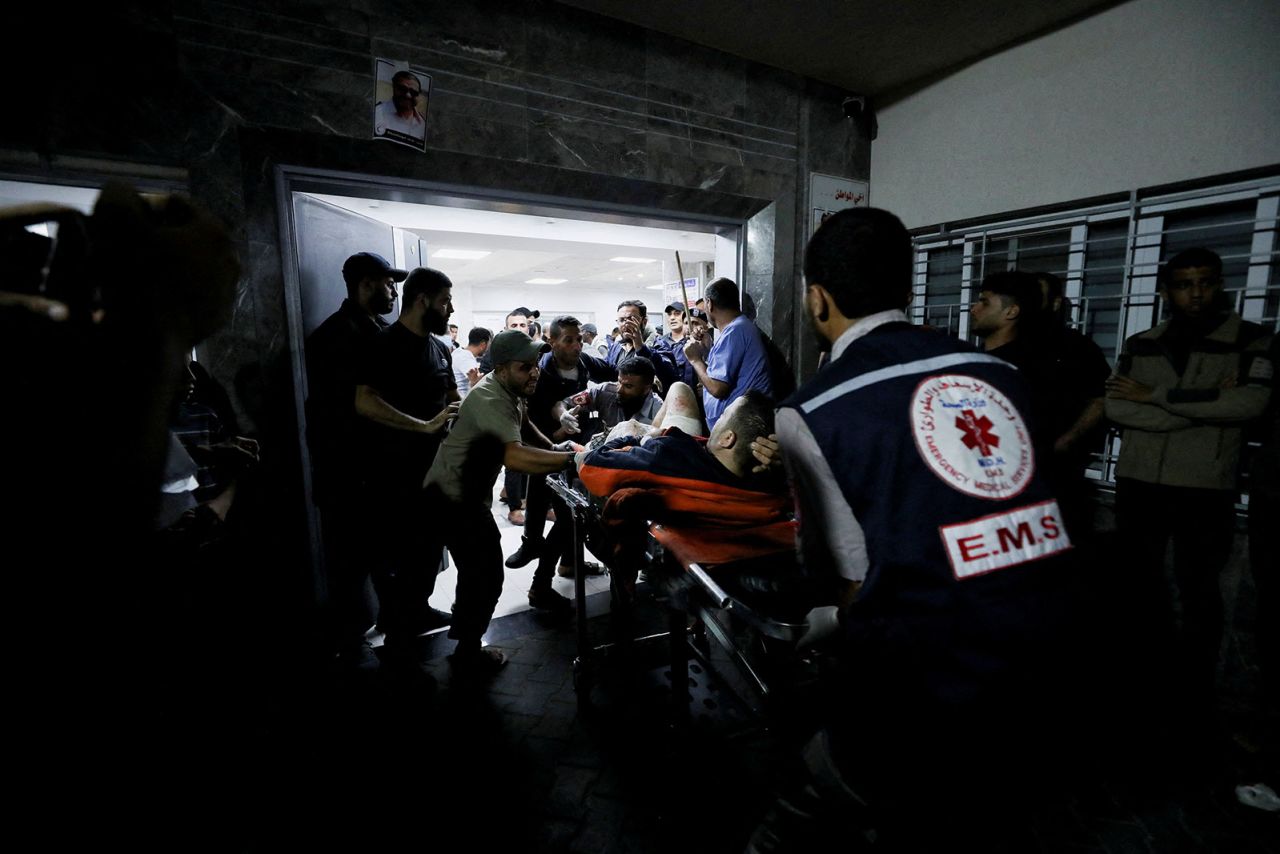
(738,358)
(657,350)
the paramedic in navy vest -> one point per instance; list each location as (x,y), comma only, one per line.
(917,484)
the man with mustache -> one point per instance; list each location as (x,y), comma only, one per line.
(919,497)
(493,430)
(1184,391)
(334,352)
(406,395)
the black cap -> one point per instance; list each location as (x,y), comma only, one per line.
(526,312)
(369,265)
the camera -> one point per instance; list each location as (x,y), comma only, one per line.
(857,108)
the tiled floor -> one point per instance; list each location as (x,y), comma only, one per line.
(516,586)
(517,764)
(280,752)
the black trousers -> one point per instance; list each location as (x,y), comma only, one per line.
(1185,613)
(348,564)
(404,568)
(516,485)
(1075,497)
(538,499)
(1264,564)
(471,535)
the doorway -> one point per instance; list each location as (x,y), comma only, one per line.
(556,256)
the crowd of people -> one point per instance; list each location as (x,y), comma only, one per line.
(944,486)
(939,488)
(404,415)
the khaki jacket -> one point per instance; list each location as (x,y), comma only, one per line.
(1192,431)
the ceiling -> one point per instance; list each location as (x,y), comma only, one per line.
(523,247)
(869,47)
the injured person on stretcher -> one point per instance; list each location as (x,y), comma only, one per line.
(724,495)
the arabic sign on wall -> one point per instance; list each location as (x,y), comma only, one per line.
(671,292)
(828,194)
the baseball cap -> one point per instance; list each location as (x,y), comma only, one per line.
(512,345)
(591,328)
(369,265)
(526,312)
(675,306)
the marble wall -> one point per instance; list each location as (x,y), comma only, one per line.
(527,97)
(518,87)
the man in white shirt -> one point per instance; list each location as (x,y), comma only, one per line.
(466,360)
(400,115)
(593,343)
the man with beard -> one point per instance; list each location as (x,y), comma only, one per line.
(631,399)
(1063,371)
(514,486)
(333,352)
(406,393)
(635,338)
(400,117)
(1184,390)
(916,485)
(493,430)
(563,372)
(737,361)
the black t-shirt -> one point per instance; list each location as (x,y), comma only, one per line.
(1064,371)
(414,375)
(334,351)
(553,387)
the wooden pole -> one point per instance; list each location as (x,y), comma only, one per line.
(683,293)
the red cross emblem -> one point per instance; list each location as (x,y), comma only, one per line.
(977,432)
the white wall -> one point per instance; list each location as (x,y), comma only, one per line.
(590,306)
(1150,92)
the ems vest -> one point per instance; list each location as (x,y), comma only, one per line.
(929,443)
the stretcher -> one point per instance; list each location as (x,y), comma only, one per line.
(752,609)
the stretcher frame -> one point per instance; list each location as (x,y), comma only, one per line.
(690,592)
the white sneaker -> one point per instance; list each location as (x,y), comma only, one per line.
(1259,796)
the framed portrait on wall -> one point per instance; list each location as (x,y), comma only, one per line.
(400,98)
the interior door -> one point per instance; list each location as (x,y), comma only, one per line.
(325,236)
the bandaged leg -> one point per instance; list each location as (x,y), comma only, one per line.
(680,409)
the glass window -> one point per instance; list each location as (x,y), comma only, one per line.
(1236,221)
(1226,229)
(942,293)
(1102,285)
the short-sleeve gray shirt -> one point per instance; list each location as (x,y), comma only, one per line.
(604,397)
(468,462)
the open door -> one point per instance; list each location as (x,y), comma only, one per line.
(325,236)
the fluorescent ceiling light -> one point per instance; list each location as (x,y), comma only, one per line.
(654,287)
(625,260)
(460,254)
(545,281)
